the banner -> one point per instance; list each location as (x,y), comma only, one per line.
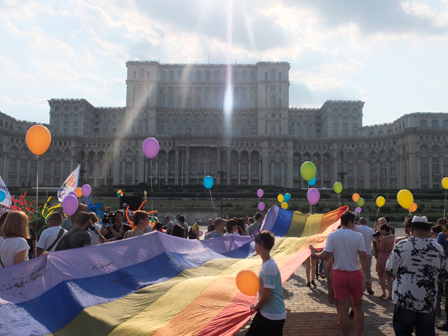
(154,284)
(7,201)
(70,184)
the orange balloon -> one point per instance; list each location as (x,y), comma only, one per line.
(38,139)
(78,192)
(355,197)
(413,207)
(247,282)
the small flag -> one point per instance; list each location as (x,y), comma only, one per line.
(119,193)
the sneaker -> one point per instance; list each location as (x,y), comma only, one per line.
(351,314)
(442,326)
(313,283)
(308,284)
(370,292)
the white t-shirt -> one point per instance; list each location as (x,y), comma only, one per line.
(345,244)
(48,236)
(9,247)
(95,237)
(367,233)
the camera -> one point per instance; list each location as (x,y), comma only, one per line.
(376,234)
(92,227)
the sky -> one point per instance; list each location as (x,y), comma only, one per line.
(390,54)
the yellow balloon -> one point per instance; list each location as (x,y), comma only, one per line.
(405,198)
(380,201)
(280,198)
(247,282)
(284,205)
(78,192)
(445,182)
(38,139)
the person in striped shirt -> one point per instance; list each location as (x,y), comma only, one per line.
(271,313)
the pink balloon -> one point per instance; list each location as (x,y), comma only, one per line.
(260,193)
(150,148)
(86,190)
(313,196)
(261,206)
(70,204)
(358,210)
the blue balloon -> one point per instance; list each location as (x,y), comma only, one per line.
(313,181)
(208,182)
(287,197)
(2,195)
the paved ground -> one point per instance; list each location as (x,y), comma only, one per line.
(310,314)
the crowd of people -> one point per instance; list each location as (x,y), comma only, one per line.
(411,270)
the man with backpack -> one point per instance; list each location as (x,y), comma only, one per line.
(77,236)
(51,236)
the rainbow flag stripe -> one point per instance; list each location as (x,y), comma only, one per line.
(154,284)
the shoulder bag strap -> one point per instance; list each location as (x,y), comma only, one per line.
(61,232)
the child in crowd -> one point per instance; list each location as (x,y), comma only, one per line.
(271,314)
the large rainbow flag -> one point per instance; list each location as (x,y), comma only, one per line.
(154,284)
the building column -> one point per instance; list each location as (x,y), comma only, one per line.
(187,166)
(229,171)
(249,172)
(176,166)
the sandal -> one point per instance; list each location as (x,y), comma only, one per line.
(382,296)
(389,298)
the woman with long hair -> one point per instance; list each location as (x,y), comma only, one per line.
(141,222)
(13,245)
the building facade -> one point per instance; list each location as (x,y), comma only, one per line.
(232,122)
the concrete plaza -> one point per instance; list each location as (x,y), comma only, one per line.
(308,312)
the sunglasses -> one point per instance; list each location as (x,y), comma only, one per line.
(255,237)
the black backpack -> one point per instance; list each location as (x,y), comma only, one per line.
(64,243)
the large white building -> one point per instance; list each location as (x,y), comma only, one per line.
(232,122)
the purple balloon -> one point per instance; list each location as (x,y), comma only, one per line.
(150,148)
(358,210)
(73,193)
(70,204)
(260,193)
(261,206)
(313,196)
(86,190)
(201,233)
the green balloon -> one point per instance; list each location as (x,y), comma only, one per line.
(308,170)
(337,187)
(360,202)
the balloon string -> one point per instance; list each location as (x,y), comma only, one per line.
(211,199)
(444,205)
(150,169)
(339,198)
(376,218)
(37,185)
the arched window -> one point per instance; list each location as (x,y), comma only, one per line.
(277,155)
(360,156)
(371,134)
(373,155)
(198,76)
(434,150)
(393,154)
(216,75)
(435,124)
(383,155)
(171,76)
(207,76)
(129,153)
(423,150)
(423,123)
(272,101)
(272,74)
(350,155)
(445,124)
(380,132)
(254,155)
